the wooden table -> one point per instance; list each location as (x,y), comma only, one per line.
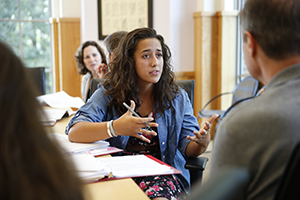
(120,189)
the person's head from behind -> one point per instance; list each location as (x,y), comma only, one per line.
(111,42)
(142,58)
(32,167)
(89,56)
(274,25)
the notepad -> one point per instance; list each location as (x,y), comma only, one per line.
(90,168)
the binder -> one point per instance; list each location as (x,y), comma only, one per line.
(92,169)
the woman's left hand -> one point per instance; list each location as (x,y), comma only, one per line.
(202,137)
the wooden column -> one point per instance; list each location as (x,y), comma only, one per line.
(215,40)
(227,59)
(206,55)
(66,40)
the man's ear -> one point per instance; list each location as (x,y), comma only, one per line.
(250,43)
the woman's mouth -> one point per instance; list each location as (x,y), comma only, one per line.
(154,72)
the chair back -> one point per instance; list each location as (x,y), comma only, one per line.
(248,87)
(289,184)
(229,184)
(37,74)
(189,87)
(95,84)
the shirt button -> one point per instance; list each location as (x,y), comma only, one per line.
(163,143)
(164,157)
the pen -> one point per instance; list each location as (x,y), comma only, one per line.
(135,114)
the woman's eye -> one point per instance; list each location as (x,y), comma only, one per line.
(146,56)
(159,55)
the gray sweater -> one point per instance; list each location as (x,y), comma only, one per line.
(260,134)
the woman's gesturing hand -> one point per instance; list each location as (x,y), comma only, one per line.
(130,125)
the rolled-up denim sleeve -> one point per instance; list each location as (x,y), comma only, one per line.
(189,122)
(94,110)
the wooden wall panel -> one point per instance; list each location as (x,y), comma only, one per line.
(66,40)
(69,41)
(206,55)
(227,60)
(214,58)
(184,75)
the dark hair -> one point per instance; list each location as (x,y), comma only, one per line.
(112,41)
(32,166)
(275,24)
(79,56)
(121,81)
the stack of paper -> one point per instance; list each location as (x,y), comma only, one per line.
(96,148)
(58,104)
(53,115)
(60,100)
(89,168)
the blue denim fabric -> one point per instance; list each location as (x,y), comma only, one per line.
(174,126)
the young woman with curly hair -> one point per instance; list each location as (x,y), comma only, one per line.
(141,75)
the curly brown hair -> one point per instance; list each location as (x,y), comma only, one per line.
(121,81)
(79,56)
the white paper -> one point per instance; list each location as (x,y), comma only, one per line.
(73,147)
(89,168)
(60,100)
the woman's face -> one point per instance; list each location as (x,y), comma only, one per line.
(91,58)
(148,61)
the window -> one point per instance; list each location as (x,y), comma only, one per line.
(25,26)
(241,69)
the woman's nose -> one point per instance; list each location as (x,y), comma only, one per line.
(154,61)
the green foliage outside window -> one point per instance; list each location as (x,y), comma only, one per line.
(25,26)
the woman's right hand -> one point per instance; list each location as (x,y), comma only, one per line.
(133,126)
(101,70)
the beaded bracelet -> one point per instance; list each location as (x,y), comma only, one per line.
(108,129)
(112,128)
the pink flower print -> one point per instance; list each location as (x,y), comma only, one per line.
(156,188)
(171,184)
(149,193)
(143,185)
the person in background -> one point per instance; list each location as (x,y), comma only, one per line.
(32,166)
(91,62)
(260,135)
(111,42)
(141,75)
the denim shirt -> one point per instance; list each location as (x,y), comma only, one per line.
(174,126)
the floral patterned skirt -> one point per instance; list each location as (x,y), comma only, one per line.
(161,186)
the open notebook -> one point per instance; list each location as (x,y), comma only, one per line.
(91,169)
